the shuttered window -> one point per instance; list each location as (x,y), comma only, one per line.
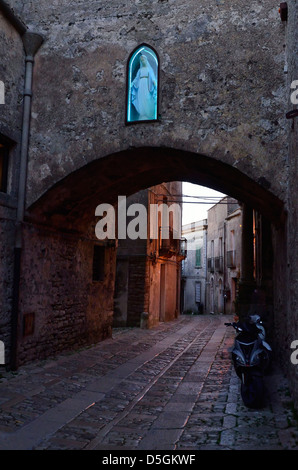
(198,257)
(198,292)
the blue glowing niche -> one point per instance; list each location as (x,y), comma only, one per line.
(142,85)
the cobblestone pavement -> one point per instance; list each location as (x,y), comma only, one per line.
(168,388)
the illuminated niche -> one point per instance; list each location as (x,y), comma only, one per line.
(142,85)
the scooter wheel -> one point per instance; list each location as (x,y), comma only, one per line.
(252,392)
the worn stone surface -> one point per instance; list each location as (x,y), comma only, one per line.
(12,69)
(292,260)
(221,63)
(223,99)
(168,388)
(6,274)
(70,309)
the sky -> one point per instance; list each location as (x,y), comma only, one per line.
(197,207)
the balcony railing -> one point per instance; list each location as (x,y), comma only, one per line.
(218,264)
(170,244)
(183,248)
(210,265)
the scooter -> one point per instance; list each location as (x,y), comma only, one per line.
(251,356)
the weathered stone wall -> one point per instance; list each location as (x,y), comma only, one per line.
(225,234)
(222,87)
(131,257)
(12,67)
(136,289)
(223,93)
(12,75)
(291,268)
(285,239)
(164,274)
(70,309)
(194,267)
(138,272)
(6,274)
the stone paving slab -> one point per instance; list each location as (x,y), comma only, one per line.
(169,388)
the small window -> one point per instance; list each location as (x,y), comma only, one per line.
(198,257)
(3,167)
(98,271)
(142,85)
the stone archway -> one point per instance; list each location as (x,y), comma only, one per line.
(75,197)
(66,308)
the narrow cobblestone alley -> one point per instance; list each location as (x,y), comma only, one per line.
(168,388)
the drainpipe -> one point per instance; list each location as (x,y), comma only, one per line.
(205,261)
(224,265)
(31,42)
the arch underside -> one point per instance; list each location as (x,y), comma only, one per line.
(72,201)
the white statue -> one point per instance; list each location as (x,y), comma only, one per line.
(144,91)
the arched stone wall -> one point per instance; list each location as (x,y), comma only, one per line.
(223,98)
(222,86)
(73,200)
(59,236)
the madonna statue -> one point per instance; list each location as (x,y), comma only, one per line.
(144,91)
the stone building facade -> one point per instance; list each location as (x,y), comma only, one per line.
(12,76)
(224,250)
(212,269)
(223,99)
(194,268)
(65,258)
(239,262)
(224,257)
(148,275)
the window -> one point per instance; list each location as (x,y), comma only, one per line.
(220,246)
(232,240)
(142,85)
(231,254)
(198,257)
(3,167)
(98,271)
